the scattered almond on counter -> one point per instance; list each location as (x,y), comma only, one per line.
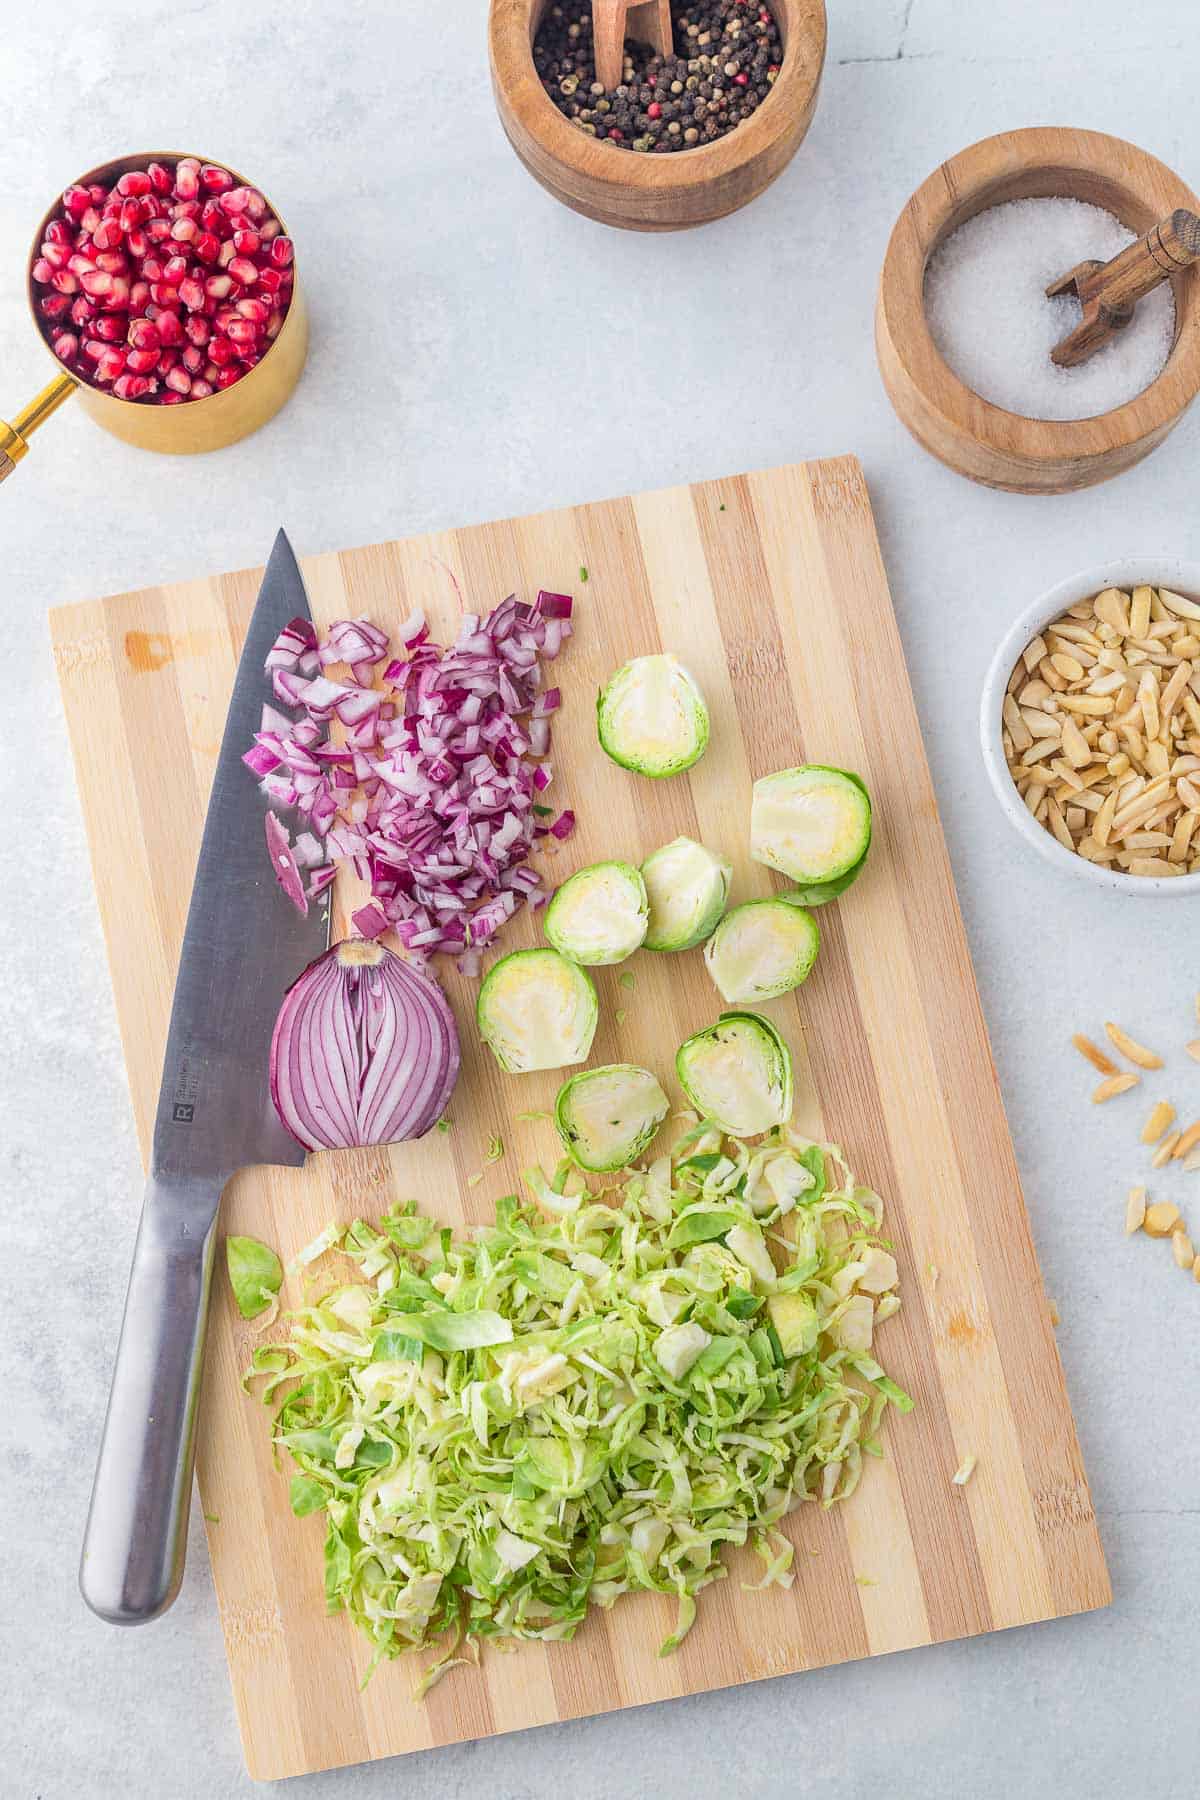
(1114,1085)
(1135,1210)
(1101,731)
(1131,1049)
(1160,1219)
(1182,1249)
(1187,1141)
(1193,1049)
(965,1469)
(1165,1151)
(1104,1065)
(1162,1115)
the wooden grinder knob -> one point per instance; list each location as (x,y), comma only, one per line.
(1108,292)
(649,21)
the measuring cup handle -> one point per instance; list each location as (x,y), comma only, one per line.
(14,438)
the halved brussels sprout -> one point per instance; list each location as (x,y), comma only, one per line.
(762,949)
(687,887)
(606,1117)
(536,1010)
(813,824)
(651,716)
(738,1073)
(599,915)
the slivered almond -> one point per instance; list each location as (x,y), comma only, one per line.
(1114,1085)
(1160,1219)
(965,1469)
(1131,1049)
(1076,748)
(1153,866)
(1067,666)
(1111,606)
(1182,1250)
(1058,825)
(1185,825)
(1165,1151)
(1093,706)
(1135,1210)
(1033,653)
(1187,1141)
(1175,603)
(1191,1163)
(1102,823)
(1161,1115)
(1196,1269)
(1139,611)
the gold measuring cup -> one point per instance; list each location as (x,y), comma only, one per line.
(209,424)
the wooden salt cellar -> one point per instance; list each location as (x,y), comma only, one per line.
(969,434)
(639,191)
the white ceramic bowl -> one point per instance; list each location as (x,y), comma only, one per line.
(1159,571)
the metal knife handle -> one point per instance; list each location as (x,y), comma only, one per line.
(136,1536)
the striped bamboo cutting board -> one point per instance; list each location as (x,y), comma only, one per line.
(771,586)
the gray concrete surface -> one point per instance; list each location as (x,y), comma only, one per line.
(477,351)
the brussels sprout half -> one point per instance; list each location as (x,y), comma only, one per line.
(651,717)
(687,887)
(536,1010)
(813,824)
(738,1073)
(762,949)
(599,915)
(606,1117)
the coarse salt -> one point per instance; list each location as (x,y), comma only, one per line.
(987,309)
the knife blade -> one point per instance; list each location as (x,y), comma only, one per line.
(244,943)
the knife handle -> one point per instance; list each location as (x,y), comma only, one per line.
(136,1535)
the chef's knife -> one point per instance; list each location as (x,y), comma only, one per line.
(244,944)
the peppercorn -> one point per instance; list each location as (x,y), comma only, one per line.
(726,59)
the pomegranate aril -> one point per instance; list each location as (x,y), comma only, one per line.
(111,327)
(56,255)
(82,311)
(215,219)
(160,178)
(207,246)
(201,389)
(257,311)
(170,328)
(107,235)
(243,270)
(269,228)
(222,351)
(153,267)
(132,214)
(256,206)
(184,230)
(112,262)
(44,272)
(217,180)
(211,371)
(274,325)
(144,334)
(164,293)
(139,296)
(167,361)
(53,306)
(135,181)
(191,292)
(236,200)
(179,381)
(227,253)
(76,201)
(93,349)
(90,219)
(158,230)
(187,178)
(58,232)
(241,331)
(79,264)
(130,387)
(197,328)
(142,361)
(192,360)
(218,287)
(66,345)
(96,282)
(282,251)
(63,282)
(111,364)
(117,299)
(172,400)
(270,280)
(227,377)
(137,243)
(175,269)
(246,243)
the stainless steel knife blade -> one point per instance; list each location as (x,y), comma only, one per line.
(243,945)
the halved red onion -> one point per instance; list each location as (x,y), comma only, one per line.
(364,1051)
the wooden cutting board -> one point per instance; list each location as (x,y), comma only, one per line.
(772,588)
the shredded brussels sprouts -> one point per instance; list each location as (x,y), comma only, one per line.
(588,1399)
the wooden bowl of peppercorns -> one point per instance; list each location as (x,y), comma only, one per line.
(681,140)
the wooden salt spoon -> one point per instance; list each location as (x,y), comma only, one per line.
(649,21)
(1108,292)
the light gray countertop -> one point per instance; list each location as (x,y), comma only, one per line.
(479,351)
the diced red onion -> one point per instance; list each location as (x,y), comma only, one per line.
(429,796)
(283,863)
(364,1051)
